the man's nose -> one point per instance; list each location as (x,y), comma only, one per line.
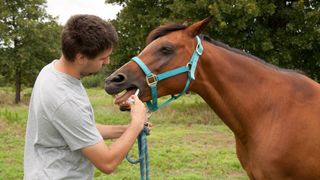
(107,61)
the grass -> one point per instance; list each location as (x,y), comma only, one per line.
(187,142)
(11,150)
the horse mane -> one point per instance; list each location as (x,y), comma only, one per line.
(238,51)
(242,52)
(168,28)
(164,30)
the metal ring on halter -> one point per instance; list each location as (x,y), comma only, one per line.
(199,47)
(189,66)
(154,80)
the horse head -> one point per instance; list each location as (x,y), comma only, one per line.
(168,47)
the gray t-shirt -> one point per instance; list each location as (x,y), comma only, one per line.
(60,123)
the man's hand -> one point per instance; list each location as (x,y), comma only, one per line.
(149,126)
(138,112)
(107,158)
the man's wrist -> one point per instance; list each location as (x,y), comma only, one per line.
(135,125)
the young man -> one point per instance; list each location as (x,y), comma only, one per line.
(62,139)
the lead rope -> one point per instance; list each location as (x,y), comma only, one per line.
(143,154)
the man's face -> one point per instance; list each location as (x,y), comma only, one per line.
(93,66)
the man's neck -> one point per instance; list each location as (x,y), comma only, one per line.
(67,67)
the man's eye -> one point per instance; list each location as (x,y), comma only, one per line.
(166,50)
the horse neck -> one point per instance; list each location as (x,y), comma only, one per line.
(231,83)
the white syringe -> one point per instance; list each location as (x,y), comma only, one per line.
(131,100)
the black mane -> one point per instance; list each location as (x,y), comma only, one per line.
(168,28)
(238,51)
(164,30)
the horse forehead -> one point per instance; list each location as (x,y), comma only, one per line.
(175,38)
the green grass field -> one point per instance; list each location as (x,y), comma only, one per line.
(188,141)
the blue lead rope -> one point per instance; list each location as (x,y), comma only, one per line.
(143,154)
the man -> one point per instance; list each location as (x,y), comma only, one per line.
(62,139)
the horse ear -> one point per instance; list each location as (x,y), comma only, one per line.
(197,27)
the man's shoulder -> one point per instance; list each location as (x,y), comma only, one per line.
(53,83)
(51,88)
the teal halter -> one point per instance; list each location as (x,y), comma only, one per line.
(153,79)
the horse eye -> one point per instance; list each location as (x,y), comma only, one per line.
(166,50)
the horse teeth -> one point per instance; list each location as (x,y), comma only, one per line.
(121,93)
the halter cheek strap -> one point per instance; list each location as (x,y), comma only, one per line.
(153,79)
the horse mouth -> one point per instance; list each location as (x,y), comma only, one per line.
(121,86)
(124,95)
(121,95)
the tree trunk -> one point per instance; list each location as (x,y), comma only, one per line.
(18,85)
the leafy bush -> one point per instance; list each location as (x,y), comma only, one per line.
(2,81)
(93,81)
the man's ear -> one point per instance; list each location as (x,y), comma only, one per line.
(196,28)
(80,59)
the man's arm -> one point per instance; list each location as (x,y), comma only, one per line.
(107,158)
(111,131)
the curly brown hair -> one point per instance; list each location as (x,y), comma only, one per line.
(87,34)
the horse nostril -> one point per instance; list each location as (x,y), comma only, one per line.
(118,78)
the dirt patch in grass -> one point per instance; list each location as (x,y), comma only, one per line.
(12,128)
(3,125)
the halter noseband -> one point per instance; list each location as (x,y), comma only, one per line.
(152,79)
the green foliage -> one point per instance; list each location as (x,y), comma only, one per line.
(2,81)
(96,80)
(284,33)
(92,81)
(136,20)
(29,39)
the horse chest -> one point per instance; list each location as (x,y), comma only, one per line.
(277,162)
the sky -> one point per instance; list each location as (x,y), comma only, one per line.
(66,8)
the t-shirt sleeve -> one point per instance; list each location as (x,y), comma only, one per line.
(76,125)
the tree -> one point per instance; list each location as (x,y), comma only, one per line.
(29,39)
(133,23)
(284,33)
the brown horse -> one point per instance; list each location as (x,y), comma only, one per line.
(273,113)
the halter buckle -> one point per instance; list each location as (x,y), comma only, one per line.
(153,79)
(189,66)
(199,47)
